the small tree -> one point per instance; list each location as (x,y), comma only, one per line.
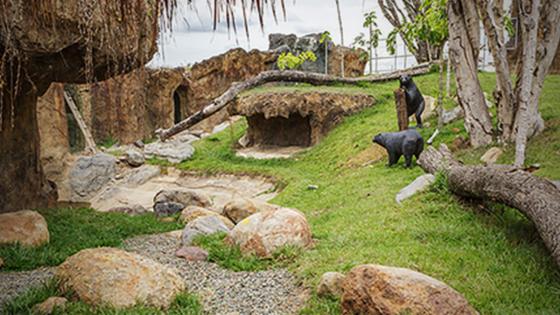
(325,40)
(370,22)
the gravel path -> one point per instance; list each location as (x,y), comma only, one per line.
(13,283)
(223,291)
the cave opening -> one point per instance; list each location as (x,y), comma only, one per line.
(279,131)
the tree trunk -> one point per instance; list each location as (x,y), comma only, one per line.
(440,92)
(280,76)
(492,15)
(529,19)
(463,49)
(402,113)
(535,197)
(341,37)
(22,182)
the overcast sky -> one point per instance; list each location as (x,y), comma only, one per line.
(193,39)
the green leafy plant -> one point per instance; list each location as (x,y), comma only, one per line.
(292,62)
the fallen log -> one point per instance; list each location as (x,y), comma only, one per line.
(537,198)
(281,76)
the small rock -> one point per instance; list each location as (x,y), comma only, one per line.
(367,289)
(130,210)
(167,219)
(267,231)
(192,253)
(192,213)
(163,209)
(418,185)
(139,144)
(556,183)
(244,141)
(491,156)
(134,158)
(312,187)
(330,284)
(114,277)
(174,151)
(49,305)
(238,209)
(29,228)
(455,130)
(452,115)
(202,226)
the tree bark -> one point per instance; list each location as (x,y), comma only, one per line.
(463,49)
(402,113)
(529,19)
(280,76)
(341,37)
(536,198)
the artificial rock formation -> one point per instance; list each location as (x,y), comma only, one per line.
(54,41)
(295,118)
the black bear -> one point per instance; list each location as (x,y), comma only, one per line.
(407,142)
(414,99)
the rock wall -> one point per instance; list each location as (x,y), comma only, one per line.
(354,59)
(130,107)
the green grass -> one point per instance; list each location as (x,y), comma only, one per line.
(72,230)
(230,257)
(184,304)
(493,256)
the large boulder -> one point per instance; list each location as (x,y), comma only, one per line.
(206,225)
(265,232)
(25,227)
(192,213)
(110,276)
(238,209)
(134,158)
(375,289)
(90,174)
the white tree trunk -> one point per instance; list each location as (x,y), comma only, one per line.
(529,19)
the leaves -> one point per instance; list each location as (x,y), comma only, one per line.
(291,61)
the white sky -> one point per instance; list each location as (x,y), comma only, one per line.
(194,40)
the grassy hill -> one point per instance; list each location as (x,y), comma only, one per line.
(491,254)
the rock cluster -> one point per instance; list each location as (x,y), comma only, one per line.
(169,202)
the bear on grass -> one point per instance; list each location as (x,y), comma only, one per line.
(407,142)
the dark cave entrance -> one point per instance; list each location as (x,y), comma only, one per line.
(279,131)
(177,112)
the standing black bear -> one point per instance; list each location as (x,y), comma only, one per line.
(407,142)
(414,99)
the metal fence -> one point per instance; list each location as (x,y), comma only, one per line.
(381,61)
